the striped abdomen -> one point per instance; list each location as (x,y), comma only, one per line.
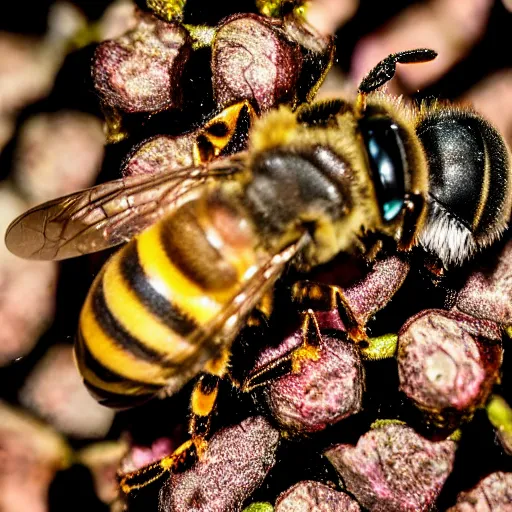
(142,325)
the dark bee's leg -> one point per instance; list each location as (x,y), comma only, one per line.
(291,362)
(384,71)
(325,297)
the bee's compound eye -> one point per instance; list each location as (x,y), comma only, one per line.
(387,157)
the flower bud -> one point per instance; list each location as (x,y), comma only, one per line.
(252,58)
(487,294)
(159,154)
(28,289)
(323,391)
(48,142)
(55,391)
(234,464)
(311,496)
(102,460)
(493,493)
(393,468)
(141,70)
(372,292)
(31,453)
(448,363)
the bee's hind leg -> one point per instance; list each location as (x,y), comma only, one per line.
(202,407)
(204,399)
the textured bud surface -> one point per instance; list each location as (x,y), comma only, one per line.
(310,496)
(234,465)
(492,494)
(253,59)
(322,392)
(392,468)
(141,70)
(444,362)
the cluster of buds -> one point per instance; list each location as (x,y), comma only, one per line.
(164,71)
(166,66)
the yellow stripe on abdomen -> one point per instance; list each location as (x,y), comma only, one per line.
(165,277)
(108,352)
(138,320)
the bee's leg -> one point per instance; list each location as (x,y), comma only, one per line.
(184,456)
(326,297)
(202,405)
(310,348)
(290,362)
(385,70)
(204,398)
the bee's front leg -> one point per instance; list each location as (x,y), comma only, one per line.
(325,297)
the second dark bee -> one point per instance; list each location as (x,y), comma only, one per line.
(208,244)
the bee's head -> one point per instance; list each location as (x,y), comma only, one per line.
(397,166)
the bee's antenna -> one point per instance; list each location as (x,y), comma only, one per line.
(385,70)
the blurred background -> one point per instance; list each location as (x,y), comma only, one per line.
(52,143)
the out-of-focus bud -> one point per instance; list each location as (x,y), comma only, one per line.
(311,496)
(28,66)
(58,153)
(394,468)
(55,391)
(487,293)
(448,363)
(6,130)
(103,459)
(23,74)
(323,389)
(492,494)
(30,455)
(27,290)
(252,58)
(139,456)
(118,18)
(234,464)
(141,70)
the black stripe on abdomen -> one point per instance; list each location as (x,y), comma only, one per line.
(167,312)
(109,378)
(118,334)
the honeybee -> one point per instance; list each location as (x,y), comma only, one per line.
(205,245)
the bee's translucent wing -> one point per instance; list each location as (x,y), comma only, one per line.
(108,214)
